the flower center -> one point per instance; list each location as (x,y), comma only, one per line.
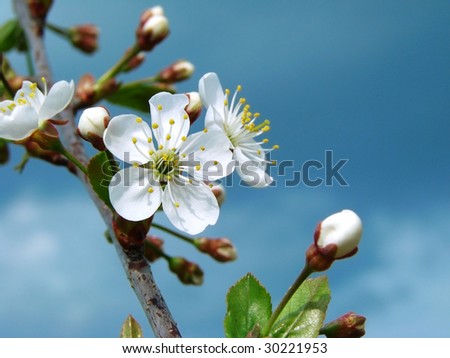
(165,165)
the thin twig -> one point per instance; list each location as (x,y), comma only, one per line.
(138,271)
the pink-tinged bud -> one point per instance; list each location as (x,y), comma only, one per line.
(350,325)
(92,125)
(85,90)
(152,29)
(134,62)
(219,192)
(178,71)
(220,249)
(4,152)
(84,37)
(343,230)
(153,247)
(188,272)
(194,107)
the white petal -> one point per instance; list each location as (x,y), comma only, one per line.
(32,94)
(190,207)
(210,150)
(57,99)
(213,118)
(122,133)
(172,111)
(130,195)
(211,92)
(252,172)
(22,122)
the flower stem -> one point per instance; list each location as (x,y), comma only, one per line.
(74,160)
(300,279)
(58,30)
(117,68)
(174,233)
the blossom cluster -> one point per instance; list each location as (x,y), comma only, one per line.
(175,169)
(166,166)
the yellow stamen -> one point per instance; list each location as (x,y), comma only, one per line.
(239,88)
(205,130)
(171,122)
(155,125)
(185,116)
(134,139)
(150,190)
(177,204)
(183,138)
(265,140)
(197,167)
(168,137)
(159,107)
(202,148)
(138,120)
(149,140)
(160,147)
(276,146)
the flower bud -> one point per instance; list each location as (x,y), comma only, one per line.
(194,107)
(92,125)
(336,237)
(134,62)
(188,272)
(152,29)
(350,325)
(178,71)
(84,37)
(343,230)
(220,249)
(153,248)
(131,234)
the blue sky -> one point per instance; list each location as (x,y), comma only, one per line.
(368,80)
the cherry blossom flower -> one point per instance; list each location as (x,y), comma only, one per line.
(168,167)
(30,109)
(240,128)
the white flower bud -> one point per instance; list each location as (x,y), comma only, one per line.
(92,125)
(343,229)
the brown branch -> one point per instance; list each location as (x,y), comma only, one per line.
(137,269)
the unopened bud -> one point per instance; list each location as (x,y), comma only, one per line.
(194,107)
(84,37)
(4,151)
(350,325)
(336,237)
(134,62)
(219,192)
(188,272)
(343,230)
(178,71)
(221,249)
(153,248)
(152,29)
(92,125)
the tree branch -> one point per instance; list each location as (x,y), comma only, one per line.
(137,270)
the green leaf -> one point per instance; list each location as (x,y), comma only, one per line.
(135,96)
(248,307)
(100,172)
(11,36)
(303,315)
(131,328)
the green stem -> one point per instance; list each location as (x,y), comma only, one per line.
(75,161)
(174,233)
(58,30)
(117,68)
(300,279)
(159,251)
